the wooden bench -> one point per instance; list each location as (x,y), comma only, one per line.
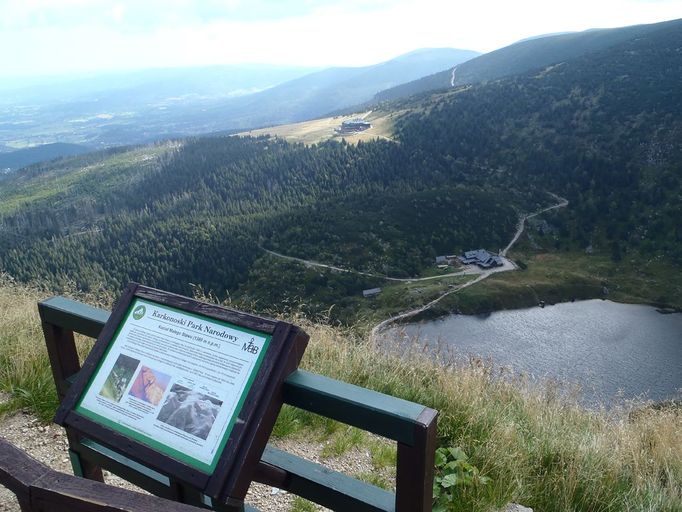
(411,425)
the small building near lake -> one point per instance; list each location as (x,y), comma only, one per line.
(482,258)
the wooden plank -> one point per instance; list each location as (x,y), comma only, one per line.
(73,315)
(211,310)
(128,469)
(61,350)
(41,488)
(17,469)
(414,472)
(326,487)
(369,410)
(265,419)
(60,492)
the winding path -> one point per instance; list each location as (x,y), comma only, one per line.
(311,263)
(483,275)
(470,270)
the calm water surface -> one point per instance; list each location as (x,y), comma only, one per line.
(613,351)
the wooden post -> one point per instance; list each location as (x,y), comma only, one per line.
(414,472)
(61,349)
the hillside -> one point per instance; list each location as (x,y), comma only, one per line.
(524,56)
(143,106)
(22,157)
(534,442)
(329,90)
(601,130)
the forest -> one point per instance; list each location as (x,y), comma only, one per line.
(601,130)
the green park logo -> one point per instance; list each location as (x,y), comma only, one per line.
(139,312)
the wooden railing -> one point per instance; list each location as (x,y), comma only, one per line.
(39,488)
(411,425)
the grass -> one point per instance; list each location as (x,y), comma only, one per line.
(319,130)
(563,276)
(56,183)
(301,505)
(539,447)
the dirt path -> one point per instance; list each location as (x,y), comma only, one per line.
(469,270)
(508,265)
(311,263)
(522,220)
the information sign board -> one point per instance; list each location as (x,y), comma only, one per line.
(187,388)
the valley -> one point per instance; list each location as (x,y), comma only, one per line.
(340,198)
(457,171)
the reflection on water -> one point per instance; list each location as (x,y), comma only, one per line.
(611,350)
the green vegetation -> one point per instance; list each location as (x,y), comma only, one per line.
(563,276)
(537,446)
(454,474)
(600,129)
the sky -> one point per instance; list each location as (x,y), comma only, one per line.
(51,37)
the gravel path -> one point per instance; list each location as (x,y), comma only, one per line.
(48,444)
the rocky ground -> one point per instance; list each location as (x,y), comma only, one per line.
(48,444)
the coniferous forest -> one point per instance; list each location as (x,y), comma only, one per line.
(602,130)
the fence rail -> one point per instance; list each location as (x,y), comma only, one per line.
(411,425)
(39,488)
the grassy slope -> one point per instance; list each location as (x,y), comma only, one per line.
(563,276)
(109,171)
(319,130)
(539,447)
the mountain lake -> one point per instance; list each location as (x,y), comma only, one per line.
(614,352)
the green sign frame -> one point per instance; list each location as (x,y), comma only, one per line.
(186,388)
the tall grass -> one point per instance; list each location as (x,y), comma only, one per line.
(25,374)
(540,447)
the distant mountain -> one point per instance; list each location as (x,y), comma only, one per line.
(326,91)
(534,53)
(601,130)
(133,89)
(143,106)
(23,157)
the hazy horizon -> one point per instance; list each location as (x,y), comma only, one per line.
(79,37)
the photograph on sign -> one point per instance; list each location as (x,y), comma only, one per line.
(174,380)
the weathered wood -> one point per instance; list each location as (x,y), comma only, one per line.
(329,488)
(17,470)
(72,315)
(211,310)
(128,469)
(369,410)
(414,472)
(229,481)
(263,419)
(60,492)
(61,349)
(39,488)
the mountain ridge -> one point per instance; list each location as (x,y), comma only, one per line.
(523,56)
